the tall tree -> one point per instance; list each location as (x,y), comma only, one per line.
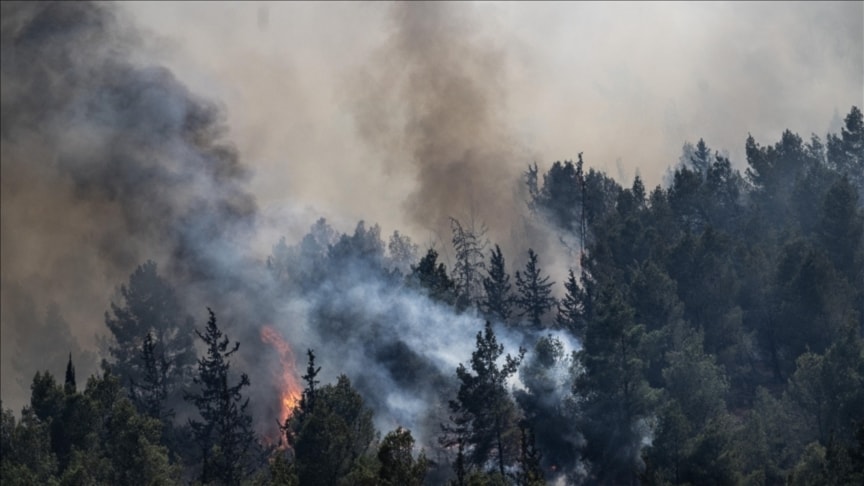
(469,243)
(224,433)
(534,292)
(70,386)
(846,152)
(614,397)
(150,310)
(398,465)
(431,276)
(330,431)
(485,419)
(498,301)
(570,312)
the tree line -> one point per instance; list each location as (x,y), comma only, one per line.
(720,321)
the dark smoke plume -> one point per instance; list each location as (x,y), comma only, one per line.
(106,162)
(434,95)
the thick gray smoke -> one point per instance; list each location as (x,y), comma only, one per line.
(106,162)
(109,161)
(433,102)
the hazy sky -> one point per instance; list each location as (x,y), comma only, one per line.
(625,83)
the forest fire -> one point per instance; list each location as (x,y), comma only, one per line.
(290,389)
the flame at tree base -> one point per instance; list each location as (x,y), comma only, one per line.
(289,386)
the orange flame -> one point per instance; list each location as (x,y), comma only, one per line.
(290,390)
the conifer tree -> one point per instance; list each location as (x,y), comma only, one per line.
(224,433)
(534,292)
(69,386)
(484,419)
(498,301)
(570,308)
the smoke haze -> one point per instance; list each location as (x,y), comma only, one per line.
(198,134)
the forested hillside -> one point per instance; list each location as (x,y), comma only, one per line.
(524,323)
(710,332)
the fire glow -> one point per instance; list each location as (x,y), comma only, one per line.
(289,388)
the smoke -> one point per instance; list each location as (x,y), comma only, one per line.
(404,114)
(106,162)
(433,102)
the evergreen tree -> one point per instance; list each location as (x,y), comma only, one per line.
(615,400)
(530,473)
(150,310)
(570,312)
(534,292)
(431,276)
(224,434)
(484,419)
(150,394)
(498,301)
(69,386)
(25,450)
(846,152)
(398,465)
(330,431)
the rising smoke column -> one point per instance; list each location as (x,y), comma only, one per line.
(107,161)
(432,100)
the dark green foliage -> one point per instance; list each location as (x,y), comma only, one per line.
(224,434)
(432,277)
(547,404)
(398,465)
(533,292)
(69,387)
(498,301)
(330,432)
(615,399)
(150,317)
(846,152)
(530,473)
(484,420)
(25,450)
(570,311)
(98,437)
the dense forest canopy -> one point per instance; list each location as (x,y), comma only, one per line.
(708,330)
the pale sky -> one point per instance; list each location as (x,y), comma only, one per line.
(625,83)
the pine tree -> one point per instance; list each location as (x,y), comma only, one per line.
(69,386)
(431,276)
(498,301)
(534,292)
(150,310)
(398,465)
(330,431)
(224,435)
(484,419)
(613,394)
(570,315)
(150,394)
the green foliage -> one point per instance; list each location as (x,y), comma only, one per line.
(330,432)
(398,465)
(25,450)
(484,420)
(615,397)
(533,292)
(151,347)
(431,276)
(498,301)
(224,434)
